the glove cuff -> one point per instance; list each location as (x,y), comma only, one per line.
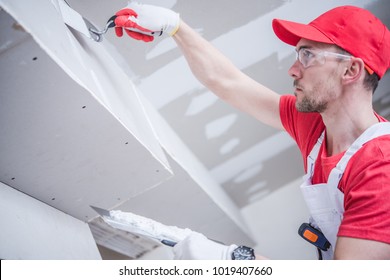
(229,251)
(173,24)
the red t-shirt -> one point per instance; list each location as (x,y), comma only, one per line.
(365,183)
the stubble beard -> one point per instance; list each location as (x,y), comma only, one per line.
(307,105)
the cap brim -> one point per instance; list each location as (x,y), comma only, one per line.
(291,32)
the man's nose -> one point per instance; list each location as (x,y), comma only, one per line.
(294,69)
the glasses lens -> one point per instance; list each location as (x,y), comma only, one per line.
(306,57)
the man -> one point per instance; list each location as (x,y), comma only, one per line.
(341,56)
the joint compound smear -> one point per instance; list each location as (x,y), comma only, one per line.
(150,227)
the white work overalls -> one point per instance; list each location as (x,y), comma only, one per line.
(325,201)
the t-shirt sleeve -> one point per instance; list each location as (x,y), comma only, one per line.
(367,194)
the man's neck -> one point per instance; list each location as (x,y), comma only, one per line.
(345,124)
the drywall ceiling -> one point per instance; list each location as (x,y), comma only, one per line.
(56,137)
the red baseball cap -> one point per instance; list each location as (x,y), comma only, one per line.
(354,29)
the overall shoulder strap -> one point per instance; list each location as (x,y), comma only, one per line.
(377,130)
(312,157)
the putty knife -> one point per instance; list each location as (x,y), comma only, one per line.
(129,227)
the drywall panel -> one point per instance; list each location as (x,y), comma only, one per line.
(191,167)
(31,229)
(61,145)
(95,66)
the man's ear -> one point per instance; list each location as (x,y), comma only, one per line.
(354,70)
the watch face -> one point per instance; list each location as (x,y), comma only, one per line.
(243,253)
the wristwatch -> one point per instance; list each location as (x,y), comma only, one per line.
(243,253)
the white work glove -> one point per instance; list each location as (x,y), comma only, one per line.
(143,22)
(196,246)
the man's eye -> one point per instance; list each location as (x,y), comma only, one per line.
(307,53)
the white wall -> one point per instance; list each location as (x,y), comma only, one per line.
(31,229)
(275,220)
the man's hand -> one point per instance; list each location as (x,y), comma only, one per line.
(143,22)
(198,247)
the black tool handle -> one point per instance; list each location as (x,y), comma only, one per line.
(168,243)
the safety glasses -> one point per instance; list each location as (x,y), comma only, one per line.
(309,57)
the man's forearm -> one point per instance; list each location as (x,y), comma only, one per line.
(207,63)
(216,72)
